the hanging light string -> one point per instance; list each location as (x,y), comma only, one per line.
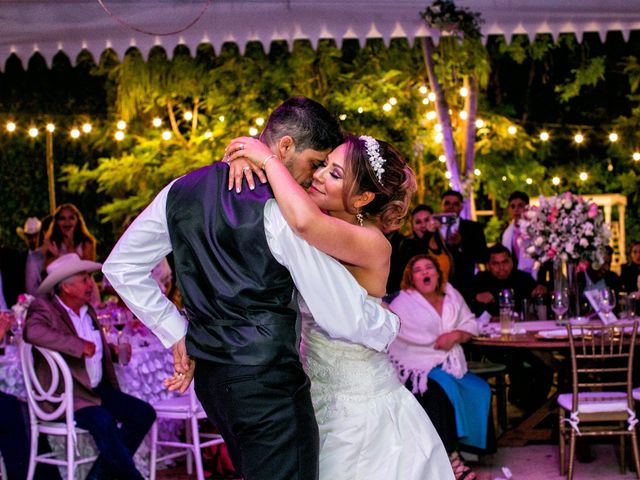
(149,32)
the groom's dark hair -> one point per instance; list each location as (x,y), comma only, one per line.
(306,121)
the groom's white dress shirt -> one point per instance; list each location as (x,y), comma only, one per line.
(330,295)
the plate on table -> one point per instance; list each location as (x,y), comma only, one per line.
(557,334)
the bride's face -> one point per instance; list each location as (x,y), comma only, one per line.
(328,181)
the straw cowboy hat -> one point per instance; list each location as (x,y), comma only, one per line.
(64,267)
(31,227)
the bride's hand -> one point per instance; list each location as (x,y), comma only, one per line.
(239,168)
(251,150)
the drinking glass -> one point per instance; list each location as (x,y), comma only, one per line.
(124,350)
(606,302)
(506,298)
(560,304)
(626,305)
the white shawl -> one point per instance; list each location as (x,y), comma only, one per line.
(412,351)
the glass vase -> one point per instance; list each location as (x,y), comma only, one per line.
(565,277)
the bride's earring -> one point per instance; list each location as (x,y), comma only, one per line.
(360,217)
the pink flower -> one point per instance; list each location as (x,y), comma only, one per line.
(551,218)
(593,211)
(22,298)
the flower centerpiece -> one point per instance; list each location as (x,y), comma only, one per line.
(569,231)
(565,228)
(22,305)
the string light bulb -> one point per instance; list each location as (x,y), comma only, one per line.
(360,109)
(156,122)
(464,91)
(431,97)
(253,131)
(33,132)
(447,174)
(121,125)
(208,134)
(504,178)
(119,136)
(529,180)
(613,137)
(50,127)
(578,138)
(636,156)
(386,107)
(437,127)
(74,133)
(442,158)
(438,138)
(393,100)
(343,117)
(425,101)
(584,176)
(188,115)
(260,121)
(431,115)
(423,90)
(512,130)
(86,128)
(11,127)
(166,135)
(479,123)
(555,181)
(221,118)
(544,136)
(464,115)
(477,172)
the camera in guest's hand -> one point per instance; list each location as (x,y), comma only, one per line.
(445,219)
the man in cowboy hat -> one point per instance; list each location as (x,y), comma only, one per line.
(31,236)
(67,324)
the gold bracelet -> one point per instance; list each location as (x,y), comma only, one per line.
(269,157)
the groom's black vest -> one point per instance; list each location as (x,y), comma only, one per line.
(235,293)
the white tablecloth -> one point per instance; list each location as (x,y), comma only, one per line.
(150,364)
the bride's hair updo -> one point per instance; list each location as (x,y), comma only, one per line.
(388,177)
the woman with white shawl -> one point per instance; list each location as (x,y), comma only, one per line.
(430,361)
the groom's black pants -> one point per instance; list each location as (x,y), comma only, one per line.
(266,418)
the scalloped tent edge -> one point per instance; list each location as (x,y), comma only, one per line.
(29,26)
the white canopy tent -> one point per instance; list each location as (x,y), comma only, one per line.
(72,25)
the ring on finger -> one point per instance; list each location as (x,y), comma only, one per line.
(241,146)
(246,168)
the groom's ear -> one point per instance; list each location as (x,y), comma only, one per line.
(285,144)
(363,199)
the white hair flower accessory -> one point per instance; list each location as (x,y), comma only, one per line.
(373,152)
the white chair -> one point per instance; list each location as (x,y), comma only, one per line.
(60,421)
(186,408)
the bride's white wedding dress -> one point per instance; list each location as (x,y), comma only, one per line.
(371,426)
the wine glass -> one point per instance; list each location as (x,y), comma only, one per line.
(606,302)
(560,304)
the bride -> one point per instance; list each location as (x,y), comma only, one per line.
(371,427)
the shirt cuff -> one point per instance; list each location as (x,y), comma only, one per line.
(171,329)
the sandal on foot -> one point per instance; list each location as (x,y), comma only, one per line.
(460,470)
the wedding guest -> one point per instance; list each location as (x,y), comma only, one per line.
(396,239)
(465,240)
(427,354)
(601,277)
(14,432)
(31,235)
(68,233)
(501,274)
(67,324)
(511,238)
(630,276)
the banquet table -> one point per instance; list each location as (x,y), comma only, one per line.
(142,377)
(550,343)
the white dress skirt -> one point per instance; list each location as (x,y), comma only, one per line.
(371,426)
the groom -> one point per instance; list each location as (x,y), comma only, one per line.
(236,264)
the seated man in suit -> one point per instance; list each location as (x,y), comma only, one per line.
(465,241)
(501,274)
(67,324)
